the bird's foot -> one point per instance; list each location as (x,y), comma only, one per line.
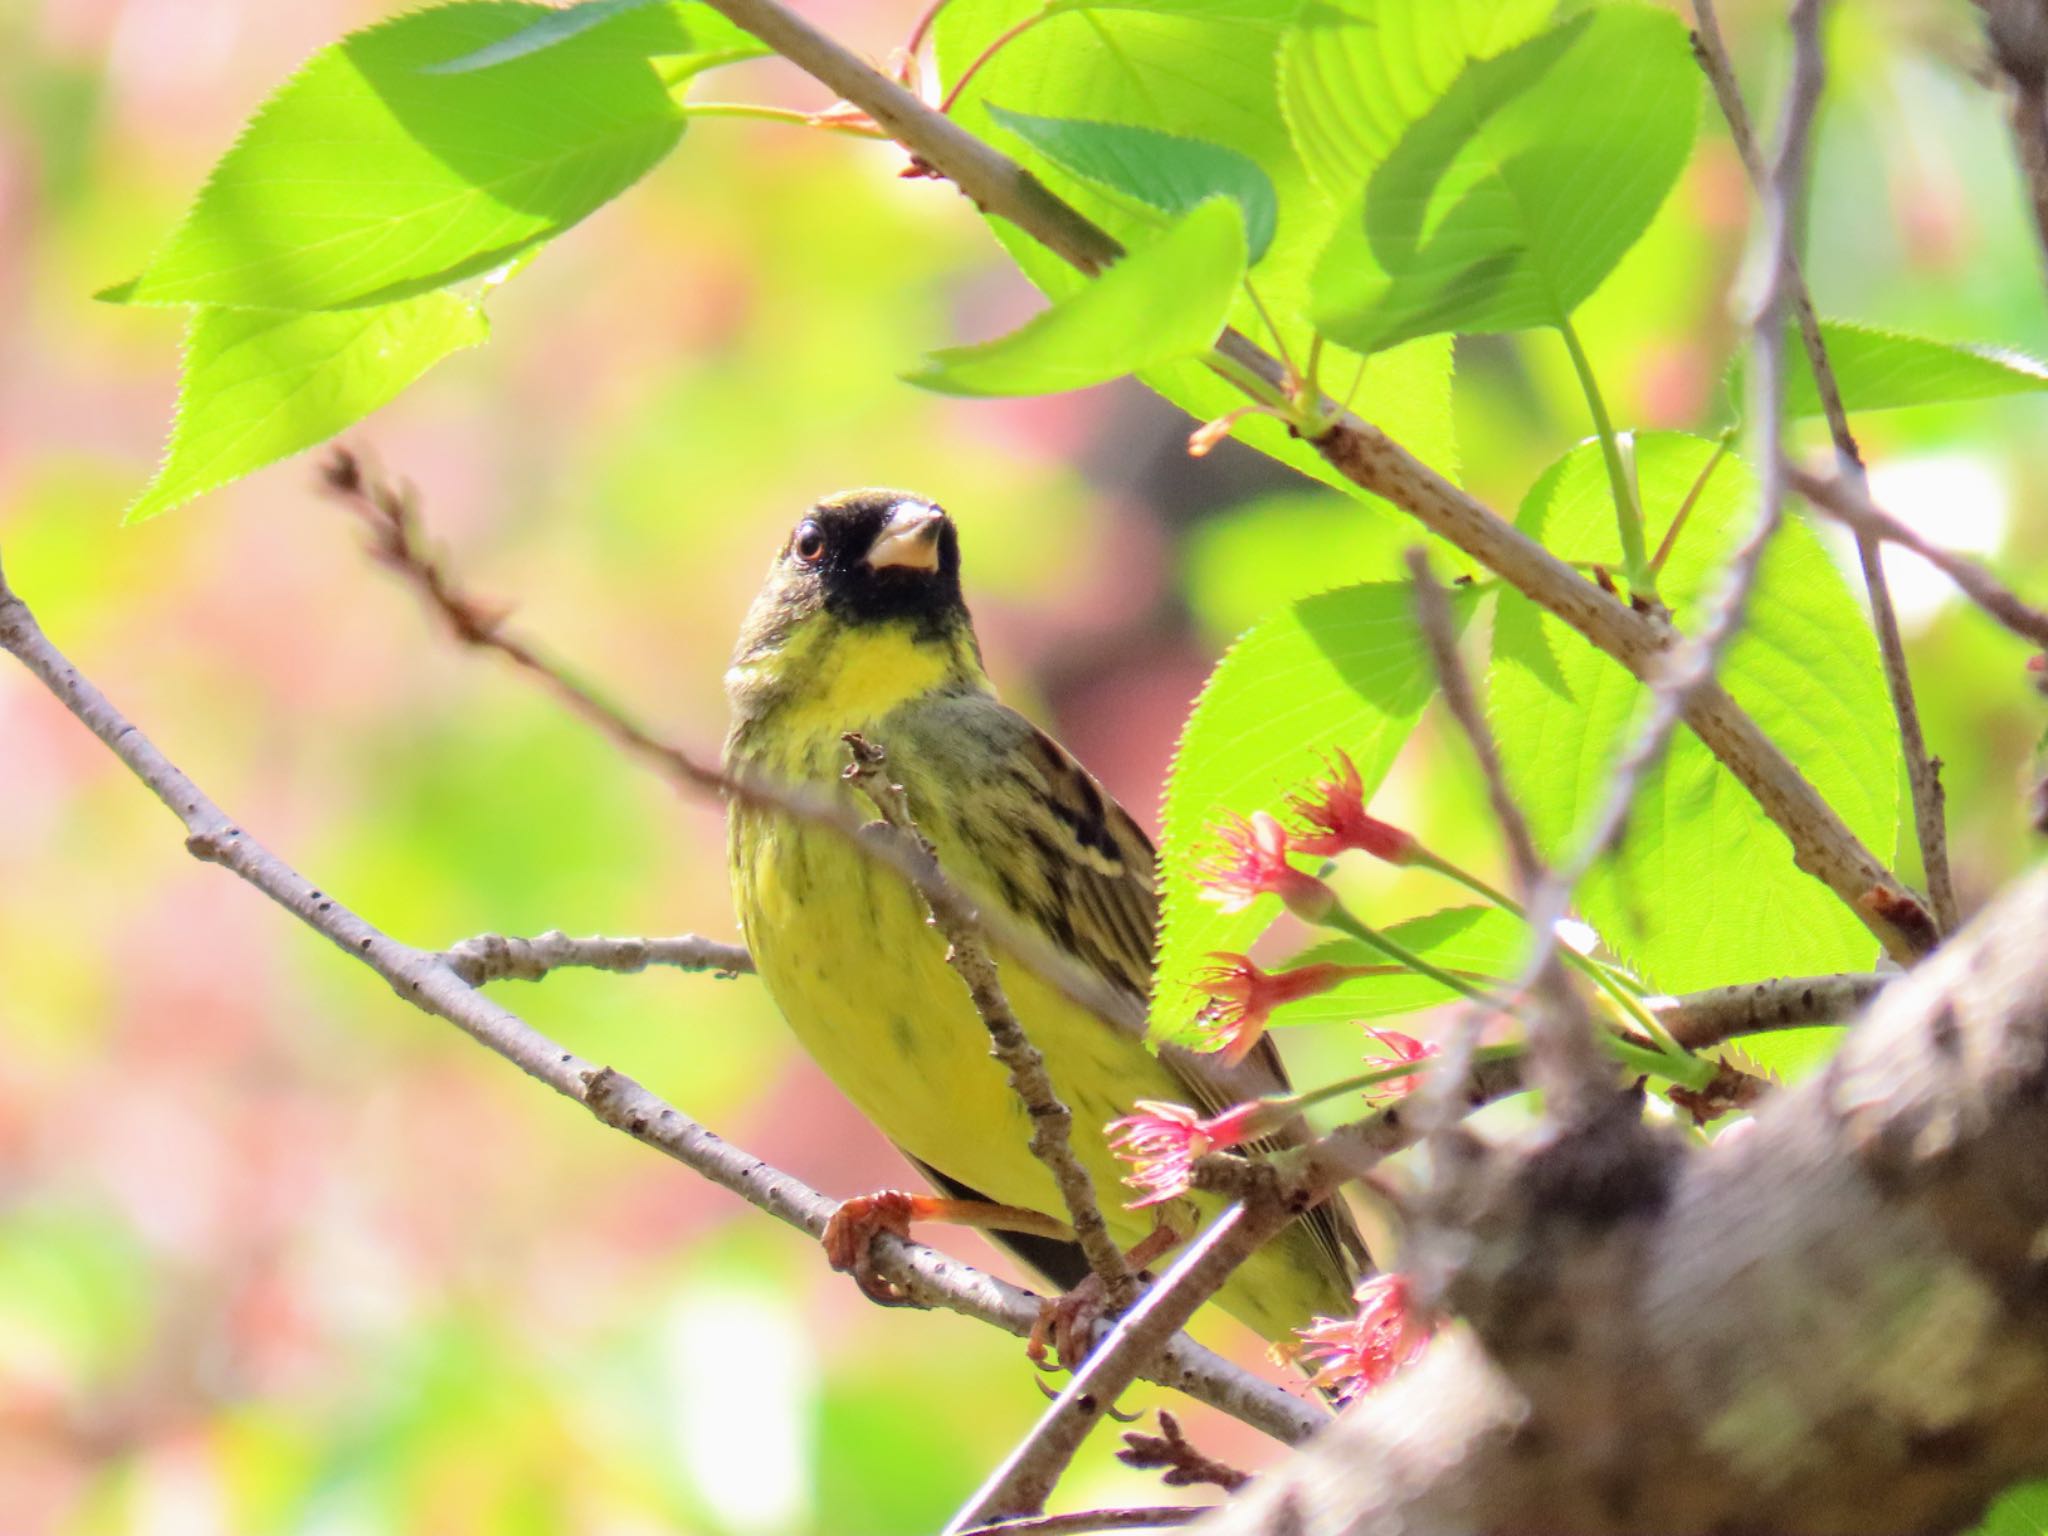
(850,1234)
(1067,1323)
(852,1229)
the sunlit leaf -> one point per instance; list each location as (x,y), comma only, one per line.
(1505,204)
(1478,942)
(1354,75)
(364,179)
(1703,891)
(1161,170)
(1345,670)
(1204,72)
(1880,370)
(260,384)
(1249,561)
(2021,1511)
(1165,300)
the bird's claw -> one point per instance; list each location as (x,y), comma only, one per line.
(849,1237)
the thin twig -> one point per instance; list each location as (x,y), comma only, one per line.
(1923,775)
(1701,1020)
(1180,1462)
(495,957)
(1855,508)
(1442,1101)
(1823,845)
(426,979)
(1096,1520)
(1433,611)
(395,542)
(1052,1123)
(1021,1485)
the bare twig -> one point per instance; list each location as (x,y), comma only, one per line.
(1855,508)
(1923,775)
(1823,844)
(395,542)
(1180,1462)
(427,980)
(1699,1020)
(1022,1483)
(1052,1123)
(1441,1103)
(1095,1520)
(495,957)
(1433,610)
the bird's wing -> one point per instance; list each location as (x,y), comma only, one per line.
(1085,874)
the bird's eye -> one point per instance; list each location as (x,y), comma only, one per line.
(809,544)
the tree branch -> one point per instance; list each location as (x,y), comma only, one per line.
(1822,842)
(1052,1123)
(1849,505)
(1094,1520)
(494,957)
(1923,776)
(1026,1478)
(430,982)
(1702,1020)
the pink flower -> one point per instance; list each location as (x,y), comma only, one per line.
(1337,821)
(1253,863)
(1242,998)
(1394,1049)
(1349,1356)
(1162,1141)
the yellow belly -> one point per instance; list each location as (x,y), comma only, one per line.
(862,978)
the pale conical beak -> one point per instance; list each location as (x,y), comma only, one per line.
(910,539)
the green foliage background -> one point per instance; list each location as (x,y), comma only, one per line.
(277,1254)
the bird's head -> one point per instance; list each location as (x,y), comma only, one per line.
(860,565)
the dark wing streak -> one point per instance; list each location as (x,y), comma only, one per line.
(1123,908)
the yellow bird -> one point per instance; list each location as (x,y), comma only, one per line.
(861,626)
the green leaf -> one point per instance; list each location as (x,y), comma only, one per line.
(1353,76)
(1203,72)
(1507,202)
(1253,558)
(556,27)
(1266,13)
(260,384)
(364,179)
(1884,370)
(1160,170)
(1471,941)
(1166,300)
(2021,1511)
(1703,891)
(1343,670)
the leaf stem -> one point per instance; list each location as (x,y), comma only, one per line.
(1342,920)
(1248,381)
(1642,581)
(973,69)
(783,115)
(1605,977)
(1692,496)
